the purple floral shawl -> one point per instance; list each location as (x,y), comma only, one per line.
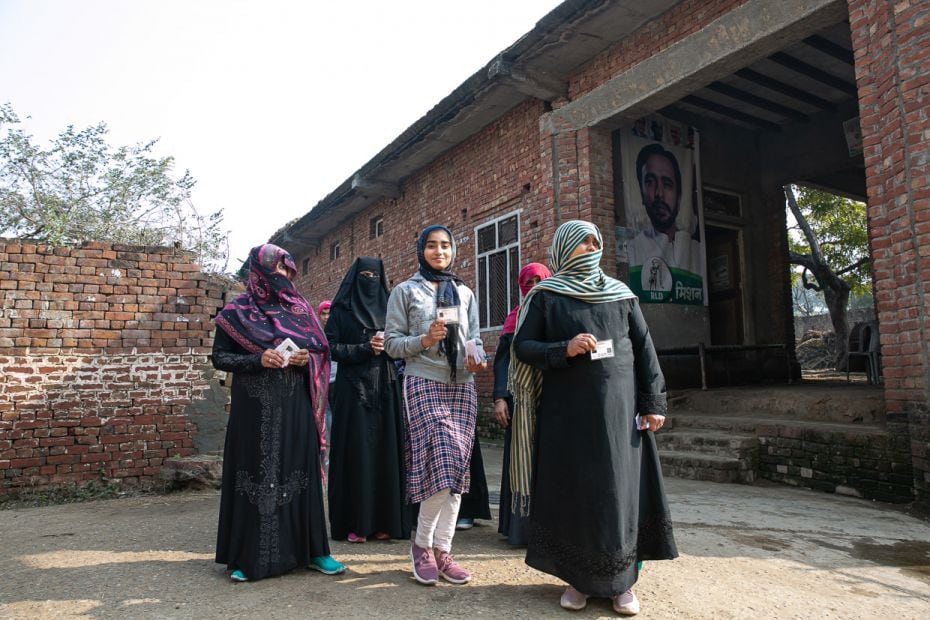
(271,310)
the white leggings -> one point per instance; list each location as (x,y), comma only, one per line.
(436,524)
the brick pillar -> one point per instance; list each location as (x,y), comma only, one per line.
(890,41)
(596,190)
(578,167)
(778,279)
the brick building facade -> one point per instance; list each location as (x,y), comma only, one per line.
(103,355)
(769,86)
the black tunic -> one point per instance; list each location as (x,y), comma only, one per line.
(366,463)
(271,510)
(597,500)
(512,524)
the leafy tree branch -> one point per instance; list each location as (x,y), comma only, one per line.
(80,188)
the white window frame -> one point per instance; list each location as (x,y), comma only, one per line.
(376,227)
(485,299)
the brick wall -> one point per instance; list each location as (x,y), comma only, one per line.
(102,349)
(871,463)
(891,43)
(493,173)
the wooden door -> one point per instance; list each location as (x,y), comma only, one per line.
(724,285)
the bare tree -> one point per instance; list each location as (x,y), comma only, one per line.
(846,243)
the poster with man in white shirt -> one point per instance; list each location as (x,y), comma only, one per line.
(665,248)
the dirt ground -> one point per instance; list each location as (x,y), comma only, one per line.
(746,552)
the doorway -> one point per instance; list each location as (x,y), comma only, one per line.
(725,285)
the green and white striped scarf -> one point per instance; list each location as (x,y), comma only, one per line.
(580,277)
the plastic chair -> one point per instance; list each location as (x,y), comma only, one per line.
(864,343)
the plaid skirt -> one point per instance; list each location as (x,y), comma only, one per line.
(440,435)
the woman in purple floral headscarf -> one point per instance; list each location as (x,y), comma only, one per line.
(271,511)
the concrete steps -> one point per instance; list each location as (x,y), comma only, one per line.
(824,435)
(742,447)
(711,455)
(708,467)
(706,442)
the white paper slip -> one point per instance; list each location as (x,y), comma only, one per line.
(449,315)
(605,348)
(287,348)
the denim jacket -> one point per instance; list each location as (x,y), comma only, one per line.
(411,308)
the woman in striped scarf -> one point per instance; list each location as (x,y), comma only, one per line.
(588,394)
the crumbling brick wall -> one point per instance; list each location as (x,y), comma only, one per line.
(102,350)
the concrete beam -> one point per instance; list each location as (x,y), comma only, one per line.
(530,83)
(737,39)
(374,187)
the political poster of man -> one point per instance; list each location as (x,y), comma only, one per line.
(659,163)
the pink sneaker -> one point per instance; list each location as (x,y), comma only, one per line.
(450,571)
(573,599)
(424,565)
(355,538)
(626,604)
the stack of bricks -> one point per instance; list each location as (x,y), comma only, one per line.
(102,348)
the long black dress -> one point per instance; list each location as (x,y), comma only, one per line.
(597,500)
(271,510)
(366,463)
(511,524)
(476,503)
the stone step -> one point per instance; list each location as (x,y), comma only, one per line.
(707,442)
(760,426)
(708,467)
(732,424)
(852,404)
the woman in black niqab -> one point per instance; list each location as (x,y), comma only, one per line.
(366,467)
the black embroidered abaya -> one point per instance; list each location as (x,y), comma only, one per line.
(271,511)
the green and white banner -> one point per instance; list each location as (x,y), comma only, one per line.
(659,160)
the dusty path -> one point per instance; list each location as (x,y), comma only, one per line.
(747,552)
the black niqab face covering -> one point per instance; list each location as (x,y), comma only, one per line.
(364,293)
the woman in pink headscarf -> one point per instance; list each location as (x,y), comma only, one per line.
(322,311)
(512,525)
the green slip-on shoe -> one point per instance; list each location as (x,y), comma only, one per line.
(327,565)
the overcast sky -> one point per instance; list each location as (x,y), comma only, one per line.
(270,104)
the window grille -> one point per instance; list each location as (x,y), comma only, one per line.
(498,265)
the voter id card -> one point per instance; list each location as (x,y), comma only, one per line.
(287,348)
(604,349)
(448,315)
